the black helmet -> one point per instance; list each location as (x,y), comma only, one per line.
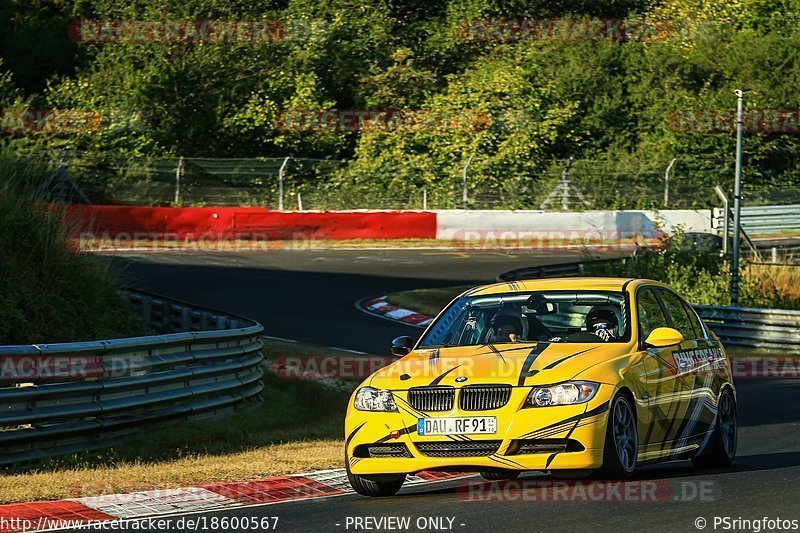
(601,318)
(499,321)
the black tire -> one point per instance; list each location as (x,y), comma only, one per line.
(721,450)
(622,440)
(499,475)
(376,486)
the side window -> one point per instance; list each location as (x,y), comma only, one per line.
(650,314)
(694,320)
(675,310)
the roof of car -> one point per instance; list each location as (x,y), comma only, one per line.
(558,284)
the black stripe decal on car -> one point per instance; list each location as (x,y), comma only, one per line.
(525,372)
(442,376)
(556,363)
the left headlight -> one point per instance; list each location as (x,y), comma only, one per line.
(369,399)
(562,394)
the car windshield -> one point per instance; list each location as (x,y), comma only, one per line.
(548,316)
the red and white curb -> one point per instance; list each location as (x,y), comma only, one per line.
(381,308)
(52,515)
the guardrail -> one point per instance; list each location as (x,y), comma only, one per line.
(64,398)
(756,328)
(737,326)
(564,270)
(761,220)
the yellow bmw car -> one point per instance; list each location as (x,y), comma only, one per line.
(573,376)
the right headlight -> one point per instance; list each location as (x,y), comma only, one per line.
(369,399)
(568,393)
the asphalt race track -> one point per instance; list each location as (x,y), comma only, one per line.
(309,295)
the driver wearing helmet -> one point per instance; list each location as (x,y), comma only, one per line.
(507,328)
(603,323)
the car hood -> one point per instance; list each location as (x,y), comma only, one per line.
(512,364)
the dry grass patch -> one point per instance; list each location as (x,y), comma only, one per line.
(774,284)
(425,301)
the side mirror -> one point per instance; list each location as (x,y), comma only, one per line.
(402,346)
(664,337)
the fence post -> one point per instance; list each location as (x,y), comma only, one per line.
(725,217)
(178,172)
(424,199)
(280,184)
(464,197)
(666,182)
(737,198)
(299,201)
(565,186)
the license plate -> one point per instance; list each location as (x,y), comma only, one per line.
(457,426)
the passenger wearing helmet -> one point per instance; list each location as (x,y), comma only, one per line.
(603,323)
(506,328)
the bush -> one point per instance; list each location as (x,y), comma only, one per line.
(703,276)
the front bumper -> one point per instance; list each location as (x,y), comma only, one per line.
(579,428)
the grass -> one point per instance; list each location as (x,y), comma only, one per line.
(296,428)
(774,284)
(425,301)
(48,293)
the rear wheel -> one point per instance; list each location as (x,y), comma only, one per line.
(377,485)
(622,440)
(722,448)
(498,475)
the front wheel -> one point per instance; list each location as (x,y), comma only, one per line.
(621,448)
(383,485)
(722,448)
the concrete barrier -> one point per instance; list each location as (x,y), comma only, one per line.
(467,225)
(263,224)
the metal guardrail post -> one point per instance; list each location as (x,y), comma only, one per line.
(147,310)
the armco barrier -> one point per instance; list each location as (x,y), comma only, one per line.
(756,328)
(763,220)
(63,398)
(252,223)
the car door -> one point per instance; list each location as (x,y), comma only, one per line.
(694,362)
(659,381)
